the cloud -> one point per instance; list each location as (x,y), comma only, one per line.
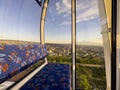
(63,7)
(90,11)
(85,11)
(58,6)
(66,22)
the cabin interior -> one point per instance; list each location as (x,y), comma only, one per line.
(27,67)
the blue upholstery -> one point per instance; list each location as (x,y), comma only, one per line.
(14,58)
(51,77)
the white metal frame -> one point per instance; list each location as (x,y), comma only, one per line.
(25,80)
(42,24)
(118,45)
(106,41)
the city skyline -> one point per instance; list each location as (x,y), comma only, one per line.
(21,18)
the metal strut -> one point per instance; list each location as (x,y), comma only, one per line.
(42,24)
(73,40)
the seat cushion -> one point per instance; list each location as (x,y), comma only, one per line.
(15,58)
(51,77)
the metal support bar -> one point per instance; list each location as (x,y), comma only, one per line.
(42,21)
(113,40)
(106,41)
(73,40)
(118,45)
(26,79)
(42,24)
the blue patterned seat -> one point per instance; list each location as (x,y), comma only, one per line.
(51,77)
(15,58)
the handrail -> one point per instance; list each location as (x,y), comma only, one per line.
(23,81)
(73,40)
(42,24)
(42,21)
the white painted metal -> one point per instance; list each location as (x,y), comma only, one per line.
(42,24)
(118,69)
(118,18)
(103,22)
(6,84)
(73,5)
(106,42)
(118,45)
(46,60)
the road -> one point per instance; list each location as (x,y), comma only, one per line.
(90,65)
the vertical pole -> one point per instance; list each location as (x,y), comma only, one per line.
(113,40)
(42,23)
(73,5)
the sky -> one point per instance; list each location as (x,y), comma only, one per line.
(20,20)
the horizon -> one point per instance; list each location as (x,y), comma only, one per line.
(24,23)
(4,40)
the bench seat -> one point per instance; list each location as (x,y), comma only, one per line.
(16,58)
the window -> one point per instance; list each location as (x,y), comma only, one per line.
(19,20)
(90,63)
(19,24)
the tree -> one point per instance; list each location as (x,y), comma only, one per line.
(84,83)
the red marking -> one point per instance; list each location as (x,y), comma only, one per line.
(16,53)
(27,54)
(12,53)
(4,67)
(2,47)
(9,58)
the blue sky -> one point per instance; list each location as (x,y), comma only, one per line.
(19,19)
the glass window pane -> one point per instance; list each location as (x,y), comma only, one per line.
(90,63)
(19,24)
(19,20)
(58,31)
